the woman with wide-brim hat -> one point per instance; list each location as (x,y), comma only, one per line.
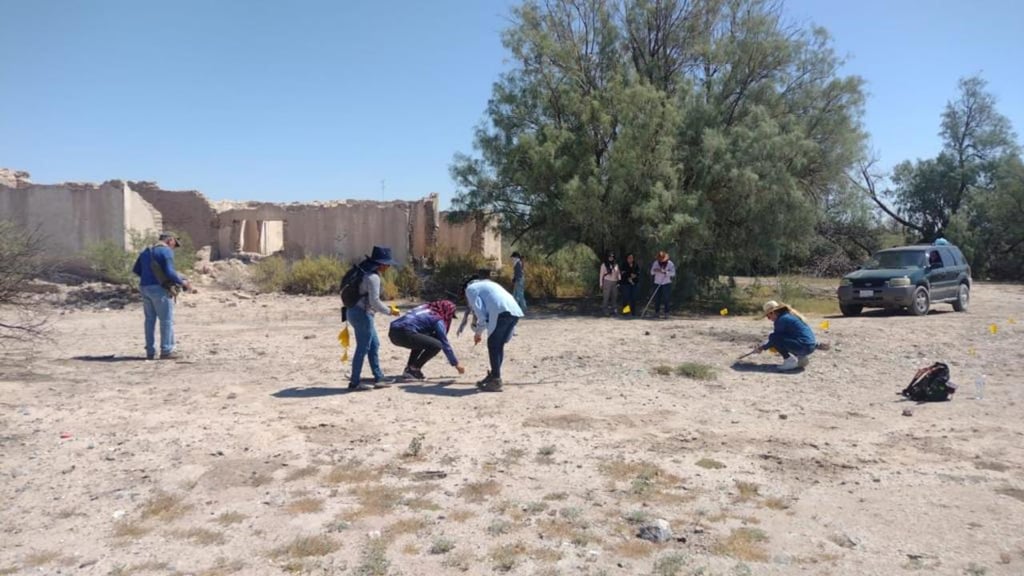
(791,336)
(360,317)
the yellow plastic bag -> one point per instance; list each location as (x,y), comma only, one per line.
(626,309)
(344,339)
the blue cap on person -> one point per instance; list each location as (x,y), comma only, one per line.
(382,255)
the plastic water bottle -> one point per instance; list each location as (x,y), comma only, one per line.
(979,387)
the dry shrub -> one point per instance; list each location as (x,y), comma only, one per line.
(300,473)
(229,518)
(507,556)
(317,276)
(743,544)
(710,464)
(376,500)
(352,472)
(306,547)
(461,515)
(165,507)
(270,274)
(480,491)
(199,536)
(406,526)
(374,559)
(635,548)
(41,558)
(305,506)
(130,529)
(746,491)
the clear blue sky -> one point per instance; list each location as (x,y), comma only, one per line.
(324,99)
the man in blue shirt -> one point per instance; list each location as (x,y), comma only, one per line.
(497,313)
(159,284)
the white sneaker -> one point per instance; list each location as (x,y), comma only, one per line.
(802,361)
(789,364)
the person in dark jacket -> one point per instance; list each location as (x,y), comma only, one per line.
(424,330)
(629,283)
(791,337)
(159,283)
(519,280)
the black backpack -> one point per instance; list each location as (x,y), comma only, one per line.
(350,284)
(930,384)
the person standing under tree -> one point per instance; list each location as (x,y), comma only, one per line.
(519,280)
(608,282)
(662,271)
(160,284)
(629,272)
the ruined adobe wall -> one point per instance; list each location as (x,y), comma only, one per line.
(184,211)
(72,216)
(474,236)
(348,230)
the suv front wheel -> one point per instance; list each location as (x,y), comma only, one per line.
(850,309)
(921,303)
(963,298)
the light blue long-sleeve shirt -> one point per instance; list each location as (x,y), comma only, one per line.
(487,299)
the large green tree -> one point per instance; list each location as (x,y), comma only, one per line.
(709,127)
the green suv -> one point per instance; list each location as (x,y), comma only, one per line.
(911,277)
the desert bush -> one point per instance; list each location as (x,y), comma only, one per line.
(408,282)
(389,284)
(451,269)
(21,260)
(111,263)
(271,274)
(316,276)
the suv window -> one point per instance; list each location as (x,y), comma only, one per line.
(896,259)
(948,260)
(935,260)
(958,257)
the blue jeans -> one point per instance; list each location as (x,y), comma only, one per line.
(787,346)
(519,292)
(663,298)
(497,340)
(366,343)
(157,304)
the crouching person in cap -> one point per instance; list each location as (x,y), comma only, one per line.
(497,313)
(424,330)
(160,284)
(360,317)
(791,337)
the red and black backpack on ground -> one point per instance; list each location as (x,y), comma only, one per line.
(930,384)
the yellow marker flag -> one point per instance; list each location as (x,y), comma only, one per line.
(394,310)
(824,325)
(724,311)
(626,309)
(344,340)
(993,328)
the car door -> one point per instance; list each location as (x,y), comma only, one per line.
(943,276)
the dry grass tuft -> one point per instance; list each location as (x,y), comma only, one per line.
(305,506)
(229,518)
(223,568)
(710,464)
(669,565)
(353,472)
(307,547)
(663,370)
(165,507)
(461,561)
(300,473)
(696,371)
(506,557)
(776,503)
(406,526)
(556,496)
(743,544)
(374,559)
(646,480)
(130,529)
(635,548)
(546,555)
(480,491)
(41,558)
(376,500)
(441,545)
(461,515)
(200,536)
(746,491)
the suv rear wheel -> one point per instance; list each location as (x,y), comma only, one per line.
(921,303)
(963,298)
(850,309)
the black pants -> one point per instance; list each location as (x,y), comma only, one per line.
(497,340)
(423,347)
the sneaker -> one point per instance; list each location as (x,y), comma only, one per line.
(172,355)
(361,386)
(150,355)
(485,380)
(413,374)
(383,382)
(492,385)
(802,361)
(789,364)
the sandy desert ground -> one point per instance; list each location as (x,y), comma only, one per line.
(250,457)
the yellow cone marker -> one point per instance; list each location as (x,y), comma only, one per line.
(394,310)
(824,325)
(993,328)
(626,309)
(724,311)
